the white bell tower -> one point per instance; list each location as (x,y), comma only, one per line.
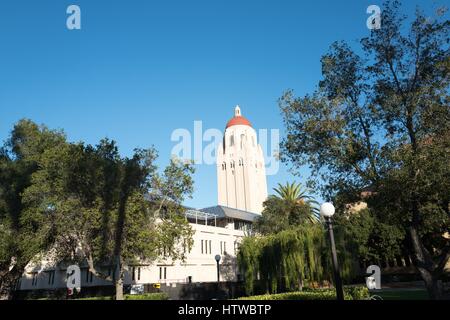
(241,171)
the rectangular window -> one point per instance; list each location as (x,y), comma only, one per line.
(51,277)
(210,246)
(162,273)
(202,246)
(139,273)
(221,248)
(133,274)
(224,247)
(89,276)
(18,284)
(35,279)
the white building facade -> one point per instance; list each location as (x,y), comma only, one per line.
(214,235)
(218,230)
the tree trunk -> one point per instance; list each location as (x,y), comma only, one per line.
(431,283)
(5,288)
(119,281)
(424,264)
(119,289)
(8,284)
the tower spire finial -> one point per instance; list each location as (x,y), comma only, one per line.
(237,111)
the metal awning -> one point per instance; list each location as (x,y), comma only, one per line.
(227,212)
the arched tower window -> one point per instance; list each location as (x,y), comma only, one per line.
(232,141)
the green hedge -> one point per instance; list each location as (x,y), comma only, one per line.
(357,292)
(350,293)
(96,298)
(147,296)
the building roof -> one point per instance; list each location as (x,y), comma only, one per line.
(227,212)
(238,119)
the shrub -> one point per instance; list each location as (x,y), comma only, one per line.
(350,293)
(294,296)
(357,292)
(147,296)
(96,298)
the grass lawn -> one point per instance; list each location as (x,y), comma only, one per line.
(401,294)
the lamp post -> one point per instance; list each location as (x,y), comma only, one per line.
(217,257)
(327,211)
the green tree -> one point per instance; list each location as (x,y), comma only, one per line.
(98,207)
(285,260)
(290,207)
(290,246)
(382,121)
(370,239)
(19,159)
(77,203)
(296,195)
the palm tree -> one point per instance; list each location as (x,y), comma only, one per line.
(297,195)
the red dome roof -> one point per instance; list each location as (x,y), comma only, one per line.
(238,119)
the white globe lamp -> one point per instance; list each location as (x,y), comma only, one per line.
(327,210)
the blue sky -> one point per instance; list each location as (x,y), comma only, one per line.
(137,70)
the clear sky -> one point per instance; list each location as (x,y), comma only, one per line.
(137,70)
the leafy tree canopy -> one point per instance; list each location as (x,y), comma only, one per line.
(290,207)
(88,204)
(381,120)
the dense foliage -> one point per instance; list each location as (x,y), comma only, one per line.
(381,120)
(350,293)
(290,206)
(77,203)
(288,260)
(146,296)
(369,239)
(19,160)
(290,248)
